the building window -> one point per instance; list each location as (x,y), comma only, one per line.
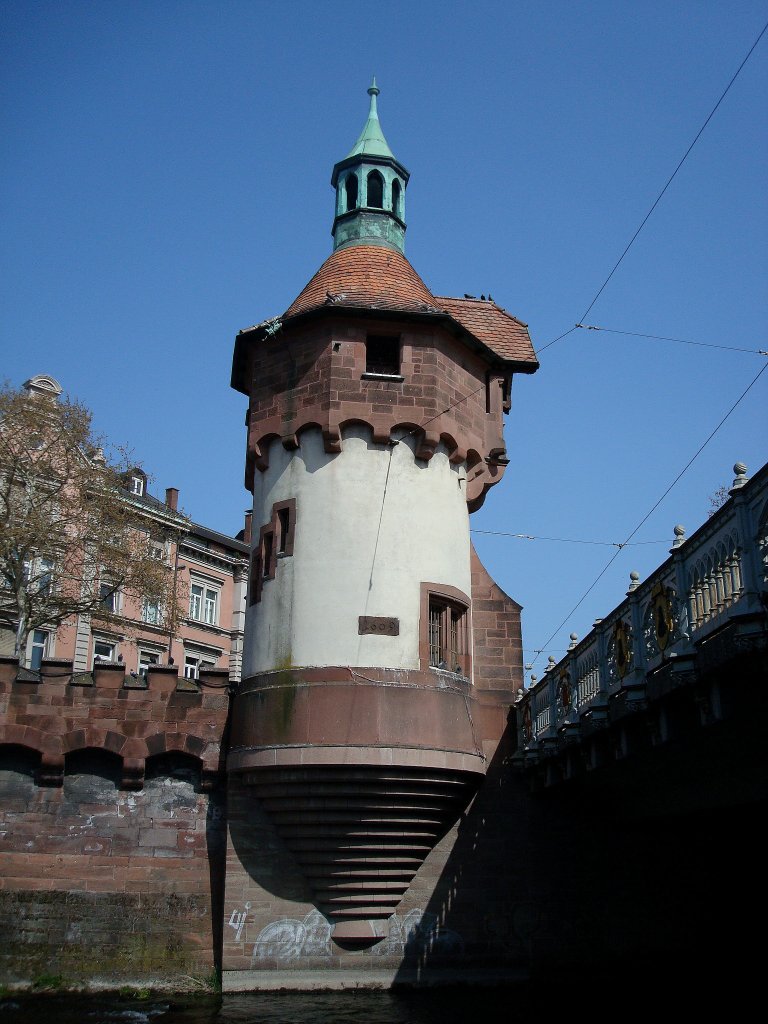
(194,664)
(103,650)
(45,575)
(109,598)
(276,540)
(204,603)
(350,190)
(382,355)
(146,660)
(137,486)
(38,648)
(375,190)
(283,526)
(447,636)
(38,575)
(158,550)
(150,613)
(268,549)
(444,634)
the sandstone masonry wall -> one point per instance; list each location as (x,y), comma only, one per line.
(111,825)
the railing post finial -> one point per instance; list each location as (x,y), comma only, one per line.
(740,470)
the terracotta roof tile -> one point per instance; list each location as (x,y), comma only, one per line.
(377,278)
(501,332)
(364,275)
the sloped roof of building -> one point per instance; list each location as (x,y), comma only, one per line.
(373,277)
(365,275)
(498,330)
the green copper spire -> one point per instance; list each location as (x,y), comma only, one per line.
(372,141)
(370,188)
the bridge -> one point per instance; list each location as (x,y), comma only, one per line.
(674,676)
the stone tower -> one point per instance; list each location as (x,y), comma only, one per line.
(372,694)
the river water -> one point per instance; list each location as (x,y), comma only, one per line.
(631,993)
(430,1006)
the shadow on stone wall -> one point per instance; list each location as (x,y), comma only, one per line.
(589,877)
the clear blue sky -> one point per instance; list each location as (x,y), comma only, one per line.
(166,173)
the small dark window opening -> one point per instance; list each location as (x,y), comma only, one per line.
(375,190)
(283,523)
(396,198)
(382,355)
(350,188)
(269,541)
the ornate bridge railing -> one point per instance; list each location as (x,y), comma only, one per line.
(716,578)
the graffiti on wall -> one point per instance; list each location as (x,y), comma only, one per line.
(289,939)
(237,920)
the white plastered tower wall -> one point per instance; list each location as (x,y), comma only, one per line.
(358,550)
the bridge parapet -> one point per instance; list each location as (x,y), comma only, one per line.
(710,595)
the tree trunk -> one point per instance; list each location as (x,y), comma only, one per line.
(21,640)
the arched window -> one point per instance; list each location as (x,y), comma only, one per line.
(396,198)
(350,188)
(375,190)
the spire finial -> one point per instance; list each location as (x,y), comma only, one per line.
(373,92)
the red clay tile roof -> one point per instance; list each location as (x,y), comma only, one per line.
(374,277)
(501,332)
(364,275)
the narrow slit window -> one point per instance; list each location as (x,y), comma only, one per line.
(269,547)
(350,190)
(396,198)
(283,524)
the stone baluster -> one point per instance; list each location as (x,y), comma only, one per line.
(598,706)
(747,554)
(685,600)
(634,681)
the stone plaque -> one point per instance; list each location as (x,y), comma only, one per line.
(381,624)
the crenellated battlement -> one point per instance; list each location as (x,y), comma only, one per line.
(57,712)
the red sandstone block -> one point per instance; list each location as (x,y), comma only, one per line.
(41,884)
(156,837)
(192,842)
(102,885)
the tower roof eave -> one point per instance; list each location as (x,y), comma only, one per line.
(374,281)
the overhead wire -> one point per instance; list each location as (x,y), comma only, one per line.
(586,312)
(653,508)
(566,540)
(680,341)
(658,198)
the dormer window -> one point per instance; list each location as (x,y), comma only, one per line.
(396,198)
(350,190)
(137,486)
(375,190)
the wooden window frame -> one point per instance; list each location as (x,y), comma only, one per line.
(453,606)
